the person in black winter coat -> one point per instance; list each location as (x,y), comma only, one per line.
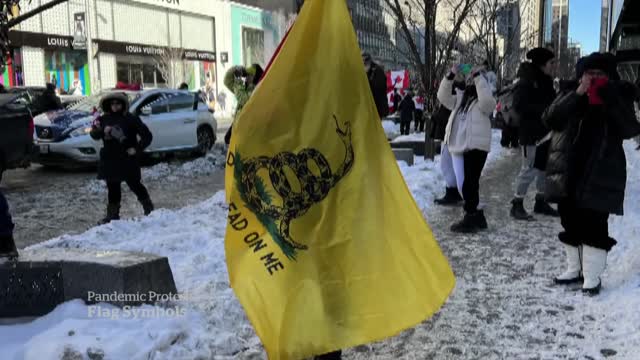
(49,101)
(377,84)
(7,244)
(407,110)
(534,92)
(125,137)
(586,168)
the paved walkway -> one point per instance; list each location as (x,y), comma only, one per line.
(504,305)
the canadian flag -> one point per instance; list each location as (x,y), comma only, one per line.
(398,79)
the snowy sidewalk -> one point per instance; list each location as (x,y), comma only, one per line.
(503,307)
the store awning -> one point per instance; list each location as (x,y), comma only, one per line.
(629,21)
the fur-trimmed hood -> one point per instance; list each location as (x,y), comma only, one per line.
(107,99)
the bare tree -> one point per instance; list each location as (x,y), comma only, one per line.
(498,46)
(170,64)
(429,49)
(10,16)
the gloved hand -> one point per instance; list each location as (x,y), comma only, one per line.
(118,134)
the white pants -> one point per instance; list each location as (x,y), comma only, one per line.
(452,167)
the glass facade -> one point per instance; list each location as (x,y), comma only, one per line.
(371,23)
(138,70)
(548,21)
(252,46)
(13,73)
(67,71)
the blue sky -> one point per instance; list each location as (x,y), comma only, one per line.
(584,23)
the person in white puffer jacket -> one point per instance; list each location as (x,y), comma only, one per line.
(468,138)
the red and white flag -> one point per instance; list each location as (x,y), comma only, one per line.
(398,79)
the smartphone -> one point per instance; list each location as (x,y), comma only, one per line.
(592,93)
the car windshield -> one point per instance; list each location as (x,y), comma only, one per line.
(91,102)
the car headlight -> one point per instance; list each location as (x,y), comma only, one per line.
(83,130)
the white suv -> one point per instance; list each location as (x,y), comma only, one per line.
(178,120)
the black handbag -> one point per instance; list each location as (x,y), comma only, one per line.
(542,153)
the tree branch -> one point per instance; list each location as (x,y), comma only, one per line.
(34,12)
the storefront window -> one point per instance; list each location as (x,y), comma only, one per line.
(13,74)
(252,46)
(149,74)
(122,72)
(67,70)
(135,70)
(208,81)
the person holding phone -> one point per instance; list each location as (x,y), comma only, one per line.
(586,169)
(468,137)
(125,137)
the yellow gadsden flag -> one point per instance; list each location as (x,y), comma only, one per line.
(325,246)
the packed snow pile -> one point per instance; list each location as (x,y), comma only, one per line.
(420,136)
(209,321)
(391,129)
(174,170)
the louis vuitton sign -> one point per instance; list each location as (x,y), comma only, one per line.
(116,47)
(37,40)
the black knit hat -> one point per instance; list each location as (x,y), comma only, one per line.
(540,56)
(605,62)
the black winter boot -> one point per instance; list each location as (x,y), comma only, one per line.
(451,197)
(8,248)
(542,207)
(113,213)
(517,210)
(471,222)
(147,205)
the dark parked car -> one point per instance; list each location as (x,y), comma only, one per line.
(32,95)
(16,132)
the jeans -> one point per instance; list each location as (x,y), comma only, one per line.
(474,161)
(115,191)
(452,167)
(584,226)
(528,173)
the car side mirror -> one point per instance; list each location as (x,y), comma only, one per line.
(146,111)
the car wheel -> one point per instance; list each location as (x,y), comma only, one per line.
(206,139)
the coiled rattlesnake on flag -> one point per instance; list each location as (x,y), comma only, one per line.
(314,188)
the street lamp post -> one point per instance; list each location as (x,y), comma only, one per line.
(90,66)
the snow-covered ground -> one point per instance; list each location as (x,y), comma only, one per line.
(412,137)
(193,240)
(391,129)
(213,324)
(173,171)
